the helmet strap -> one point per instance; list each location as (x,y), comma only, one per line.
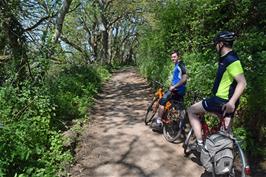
(220,50)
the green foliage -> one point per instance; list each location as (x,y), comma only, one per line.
(72,91)
(190,27)
(27,136)
(200,69)
(32,118)
(243,137)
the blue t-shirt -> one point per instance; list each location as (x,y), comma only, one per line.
(178,71)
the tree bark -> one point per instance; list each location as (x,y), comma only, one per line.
(16,40)
(60,19)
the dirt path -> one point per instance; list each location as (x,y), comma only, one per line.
(116,143)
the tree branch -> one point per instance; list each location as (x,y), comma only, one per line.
(71,10)
(77,47)
(60,19)
(114,21)
(39,22)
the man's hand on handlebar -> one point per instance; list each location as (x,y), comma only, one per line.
(171,88)
(228,108)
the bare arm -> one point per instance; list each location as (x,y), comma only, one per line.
(240,87)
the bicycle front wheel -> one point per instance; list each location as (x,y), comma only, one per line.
(173,126)
(150,112)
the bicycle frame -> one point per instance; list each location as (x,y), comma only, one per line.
(157,96)
(172,125)
(207,131)
(154,105)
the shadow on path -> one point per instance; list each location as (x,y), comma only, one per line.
(116,143)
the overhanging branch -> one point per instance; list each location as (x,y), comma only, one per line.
(39,22)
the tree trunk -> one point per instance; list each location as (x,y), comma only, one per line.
(105,45)
(16,40)
(110,50)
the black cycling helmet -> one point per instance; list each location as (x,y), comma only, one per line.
(224,36)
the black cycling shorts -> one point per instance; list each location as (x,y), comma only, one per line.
(171,95)
(214,104)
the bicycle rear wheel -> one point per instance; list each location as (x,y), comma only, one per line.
(150,112)
(173,125)
(240,167)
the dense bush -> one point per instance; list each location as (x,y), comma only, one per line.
(72,91)
(32,119)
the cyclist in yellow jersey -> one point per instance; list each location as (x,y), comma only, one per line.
(229,84)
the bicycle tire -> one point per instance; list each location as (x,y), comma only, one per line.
(149,113)
(173,129)
(239,163)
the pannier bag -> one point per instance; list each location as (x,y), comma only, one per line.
(217,153)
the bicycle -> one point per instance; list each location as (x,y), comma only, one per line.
(240,166)
(173,122)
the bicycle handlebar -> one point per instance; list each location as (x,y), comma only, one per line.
(159,83)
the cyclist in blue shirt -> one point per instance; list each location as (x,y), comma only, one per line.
(229,84)
(176,90)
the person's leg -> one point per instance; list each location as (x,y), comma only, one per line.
(194,112)
(157,123)
(215,105)
(162,103)
(160,111)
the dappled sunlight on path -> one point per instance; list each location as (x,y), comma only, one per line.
(116,142)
